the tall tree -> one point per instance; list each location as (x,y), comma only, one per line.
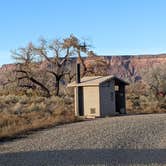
(56,57)
(28,74)
(57,65)
(61,51)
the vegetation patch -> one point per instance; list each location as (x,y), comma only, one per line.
(22,113)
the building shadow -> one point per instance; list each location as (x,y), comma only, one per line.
(104,157)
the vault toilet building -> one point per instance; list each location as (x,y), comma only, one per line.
(98,96)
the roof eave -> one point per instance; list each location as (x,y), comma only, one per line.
(72,86)
(122,81)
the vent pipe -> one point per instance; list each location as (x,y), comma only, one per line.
(78,73)
(79,93)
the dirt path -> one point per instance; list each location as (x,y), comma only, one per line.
(127,140)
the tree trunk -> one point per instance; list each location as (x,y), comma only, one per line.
(42,86)
(82,63)
(57,86)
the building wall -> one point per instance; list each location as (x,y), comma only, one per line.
(91,101)
(98,100)
(107,98)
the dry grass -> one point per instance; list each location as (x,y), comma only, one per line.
(143,105)
(19,114)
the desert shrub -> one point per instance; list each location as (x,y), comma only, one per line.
(33,107)
(11,99)
(17,109)
(134,90)
(148,95)
(68,100)
(24,100)
(22,113)
(39,99)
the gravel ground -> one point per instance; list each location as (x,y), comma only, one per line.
(125,140)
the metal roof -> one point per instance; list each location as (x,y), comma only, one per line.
(96,81)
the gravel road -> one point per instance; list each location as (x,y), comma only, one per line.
(125,140)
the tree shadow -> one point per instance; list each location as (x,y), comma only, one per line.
(85,157)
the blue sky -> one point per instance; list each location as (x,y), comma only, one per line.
(113,27)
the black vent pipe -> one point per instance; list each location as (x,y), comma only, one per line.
(79,93)
(78,73)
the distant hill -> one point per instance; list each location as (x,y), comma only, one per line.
(128,66)
(122,66)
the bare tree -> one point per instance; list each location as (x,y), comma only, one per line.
(61,51)
(27,70)
(56,57)
(79,47)
(56,65)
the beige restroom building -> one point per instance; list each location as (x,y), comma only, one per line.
(99,96)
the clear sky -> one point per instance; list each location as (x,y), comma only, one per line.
(112,27)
